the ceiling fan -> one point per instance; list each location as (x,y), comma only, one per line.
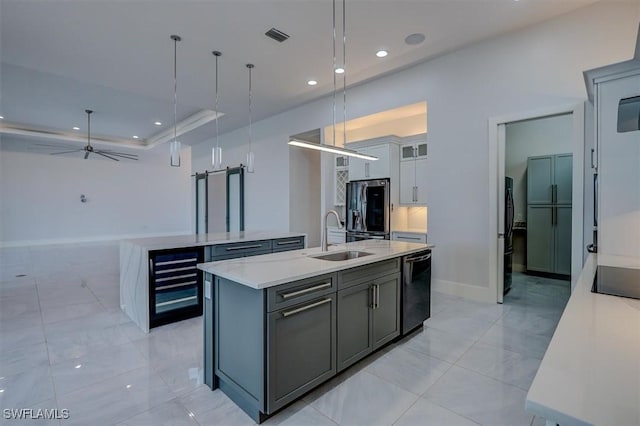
(89,149)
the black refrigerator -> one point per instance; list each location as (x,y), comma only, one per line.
(508,233)
(368,209)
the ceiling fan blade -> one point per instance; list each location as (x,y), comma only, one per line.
(105,155)
(65,152)
(86,154)
(120,154)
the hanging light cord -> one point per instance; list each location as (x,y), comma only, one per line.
(344,75)
(250,66)
(334,73)
(176,39)
(217,55)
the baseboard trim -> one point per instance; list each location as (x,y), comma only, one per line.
(96,239)
(473,292)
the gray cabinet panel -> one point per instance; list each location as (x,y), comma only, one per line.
(242,248)
(301,354)
(239,338)
(539,180)
(386,311)
(540,238)
(354,324)
(286,244)
(285,295)
(562,244)
(563,178)
(367,273)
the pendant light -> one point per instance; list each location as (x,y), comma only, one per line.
(216,151)
(333,148)
(175,144)
(250,168)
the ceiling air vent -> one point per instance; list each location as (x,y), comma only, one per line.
(277,35)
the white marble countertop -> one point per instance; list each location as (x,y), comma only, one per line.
(193,240)
(590,374)
(273,269)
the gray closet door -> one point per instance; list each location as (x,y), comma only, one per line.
(539,180)
(540,231)
(562,243)
(563,176)
(217,202)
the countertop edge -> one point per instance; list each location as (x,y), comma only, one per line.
(169,242)
(348,264)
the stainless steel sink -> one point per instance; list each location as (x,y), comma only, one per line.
(342,255)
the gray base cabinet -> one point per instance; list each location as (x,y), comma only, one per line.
(274,345)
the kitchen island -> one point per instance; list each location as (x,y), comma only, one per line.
(159,282)
(277,326)
(590,374)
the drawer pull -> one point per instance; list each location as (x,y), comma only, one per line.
(305,308)
(173,262)
(171,302)
(244,247)
(402,237)
(158,280)
(165,287)
(305,290)
(284,243)
(186,268)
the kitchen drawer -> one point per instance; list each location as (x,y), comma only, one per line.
(355,276)
(286,244)
(241,249)
(410,237)
(289,294)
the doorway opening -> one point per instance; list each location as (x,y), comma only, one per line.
(537,199)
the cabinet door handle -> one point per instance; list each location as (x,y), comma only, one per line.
(305,290)
(366,169)
(305,308)
(284,243)
(373,296)
(593,164)
(377,296)
(244,247)
(415,194)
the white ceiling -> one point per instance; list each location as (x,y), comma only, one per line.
(115,57)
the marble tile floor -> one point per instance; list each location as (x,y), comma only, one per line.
(64,343)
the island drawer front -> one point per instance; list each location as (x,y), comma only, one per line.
(360,274)
(237,255)
(289,294)
(286,244)
(240,249)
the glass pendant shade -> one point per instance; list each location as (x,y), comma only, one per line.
(216,157)
(250,168)
(174,148)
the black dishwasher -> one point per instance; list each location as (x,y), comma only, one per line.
(416,290)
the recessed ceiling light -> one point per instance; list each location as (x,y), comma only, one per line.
(76,128)
(381,53)
(158,123)
(1,390)
(78,366)
(339,70)
(1,117)
(312,82)
(128,386)
(415,38)
(135,137)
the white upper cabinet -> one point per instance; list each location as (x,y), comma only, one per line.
(371,169)
(413,172)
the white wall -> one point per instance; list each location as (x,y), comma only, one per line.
(304,199)
(538,67)
(544,136)
(40,196)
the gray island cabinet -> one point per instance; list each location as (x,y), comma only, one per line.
(279,325)
(159,280)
